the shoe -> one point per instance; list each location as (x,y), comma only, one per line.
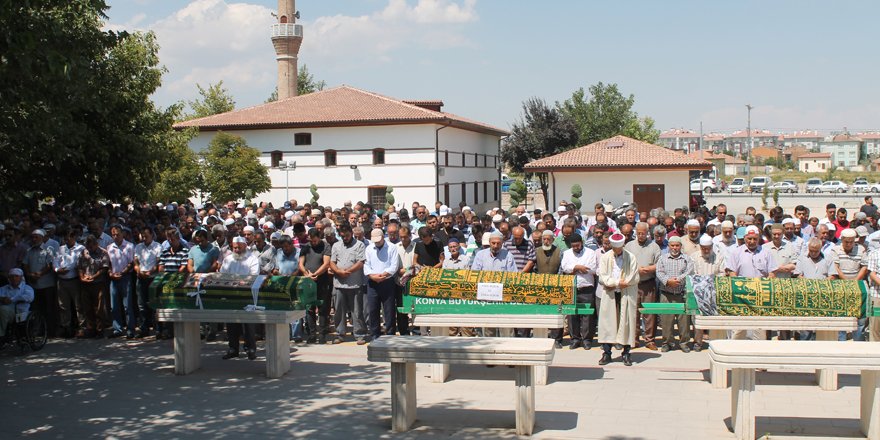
(322,340)
(311,340)
(230,354)
(664,348)
(606,359)
(114,334)
(651,346)
(298,340)
(627,360)
(361,341)
(251,354)
(587,345)
(575,344)
(129,335)
(557,345)
(337,340)
(618,347)
(81,334)
(698,347)
(685,348)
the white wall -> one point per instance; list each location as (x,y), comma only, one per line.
(616,187)
(813,165)
(409,162)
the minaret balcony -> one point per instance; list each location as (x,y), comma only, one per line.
(284,30)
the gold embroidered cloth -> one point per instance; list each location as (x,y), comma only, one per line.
(527,288)
(741,296)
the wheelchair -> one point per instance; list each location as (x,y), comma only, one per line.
(28,331)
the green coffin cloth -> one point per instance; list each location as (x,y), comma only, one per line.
(525,288)
(789,297)
(232,292)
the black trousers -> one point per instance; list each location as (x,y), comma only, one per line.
(583,327)
(234,331)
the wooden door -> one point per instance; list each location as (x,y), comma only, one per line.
(648,197)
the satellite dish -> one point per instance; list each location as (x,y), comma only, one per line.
(296,15)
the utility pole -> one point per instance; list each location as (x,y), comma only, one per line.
(749,144)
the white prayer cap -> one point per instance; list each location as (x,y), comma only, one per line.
(240,206)
(237,215)
(705,240)
(497,218)
(617,240)
(376,235)
(752,229)
(16,272)
(393,216)
(261,221)
(466,208)
(692,223)
(561,208)
(490,212)
(443,210)
(39,232)
(228,222)
(848,233)
(239,239)
(547,232)
(275,235)
(269,225)
(248,228)
(486,238)
(288,214)
(862,231)
(831,226)
(797,221)
(727,224)
(674,239)
(788,221)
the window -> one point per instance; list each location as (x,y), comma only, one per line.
(446,192)
(276,158)
(476,193)
(302,139)
(330,158)
(446,158)
(378,156)
(485,192)
(484,160)
(806,166)
(463,191)
(376,196)
(495,188)
(463,161)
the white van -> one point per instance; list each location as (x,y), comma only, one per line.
(758,183)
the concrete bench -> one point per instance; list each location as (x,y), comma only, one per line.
(743,357)
(826,330)
(188,344)
(404,352)
(440,324)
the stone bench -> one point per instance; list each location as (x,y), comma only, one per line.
(404,352)
(826,330)
(743,357)
(188,344)
(440,324)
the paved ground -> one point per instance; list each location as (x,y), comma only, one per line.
(121,389)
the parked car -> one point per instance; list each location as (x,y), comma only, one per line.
(705,185)
(737,185)
(832,186)
(758,183)
(861,185)
(784,187)
(813,184)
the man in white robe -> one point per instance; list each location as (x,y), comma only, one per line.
(619,275)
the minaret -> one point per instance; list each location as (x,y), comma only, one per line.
(287,37)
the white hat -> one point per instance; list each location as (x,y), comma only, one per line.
(617,240)
(788,221)
(269,225)
(727,224)
(228,222)
(486,238)
(497,218)
(275,235)
(248,228)
(261,221)
(443,210)
(848,233)
(705,240)
(393,216)
(39,232)
(490,212)
(288,214)
(236,215)
(466,208)
(692,222)
(561,208)
(862,231)
(831,226)
(547,232)
(316,211)
(49,227)
(240,206)
(347,203)
(239,239)
(752,229)
(16,271)
(376,235)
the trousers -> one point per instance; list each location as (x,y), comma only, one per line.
(583,327)
(683,321)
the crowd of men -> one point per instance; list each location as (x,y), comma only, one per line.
(88,269)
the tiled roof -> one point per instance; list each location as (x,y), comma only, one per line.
(755,133)
(709,155)
(679,133)
(845,137)
(866,136)
(337,107)
(807,134)
(815,156)
(619,152)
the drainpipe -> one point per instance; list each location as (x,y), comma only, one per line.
(446,123)
(500,167)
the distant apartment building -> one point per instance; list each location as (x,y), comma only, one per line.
(872,143)
(846,150)
(680,139)
(714,142)
(807,138)
(738,141)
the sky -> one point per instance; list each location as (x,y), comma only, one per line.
(801,64)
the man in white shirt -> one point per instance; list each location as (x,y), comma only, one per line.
(146,265)
(68,284)
(241,262)
(380,266)
(121,253)
(581,262)
(406,249)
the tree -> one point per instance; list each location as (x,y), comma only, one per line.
(180,172)
(76,119)
(215,100)
(607,113)
(313,189)
(517,193)
(305,84)
(232,170)
(389,197)
(543,131)
(576,193)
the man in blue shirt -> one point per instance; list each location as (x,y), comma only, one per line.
(15,291)
(380,266)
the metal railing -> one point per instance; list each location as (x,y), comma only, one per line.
(287,30)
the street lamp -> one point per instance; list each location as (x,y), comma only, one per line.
(287,166)
(749,142)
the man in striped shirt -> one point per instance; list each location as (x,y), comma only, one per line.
(671,270)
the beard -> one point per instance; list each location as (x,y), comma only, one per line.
(546,247)
(237,257)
